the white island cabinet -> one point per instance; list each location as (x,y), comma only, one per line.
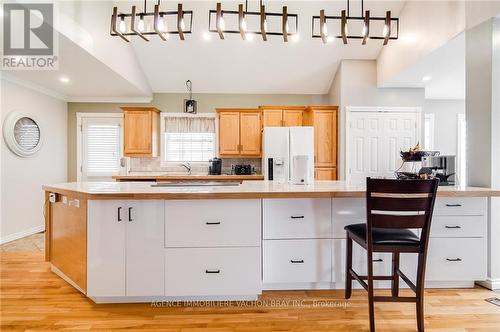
(125,248)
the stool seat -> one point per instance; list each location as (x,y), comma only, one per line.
(384,236)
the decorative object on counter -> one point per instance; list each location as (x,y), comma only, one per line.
(190,104)
(441,167)
(412,156)
(215,166)
(391,24)
(22,134)
(157,19)
(243,29)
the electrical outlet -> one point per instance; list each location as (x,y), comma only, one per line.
(52,197)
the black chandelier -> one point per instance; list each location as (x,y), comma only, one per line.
(146,23)
(217,22)
(389,31)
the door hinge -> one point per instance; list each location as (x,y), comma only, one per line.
(81,169)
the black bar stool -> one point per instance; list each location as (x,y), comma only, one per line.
(393,207)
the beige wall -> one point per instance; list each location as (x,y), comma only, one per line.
(173,102)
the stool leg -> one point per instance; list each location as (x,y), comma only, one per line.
(348,266)
(420,292)
(371,307)
(395,276)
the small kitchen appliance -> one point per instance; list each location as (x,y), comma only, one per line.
(215,166)
(441,167)
(242,169)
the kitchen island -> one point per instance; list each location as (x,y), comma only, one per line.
(134,242)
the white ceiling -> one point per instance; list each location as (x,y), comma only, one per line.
(236,66)
(446,69)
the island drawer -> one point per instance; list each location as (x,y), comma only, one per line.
(212,271)
(460,206)
(291,261)
(212,223)
(297,218)
(456,259)
(458,226)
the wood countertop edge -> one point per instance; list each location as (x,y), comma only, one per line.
(245,195)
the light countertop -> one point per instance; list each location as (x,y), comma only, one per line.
(185,177)
(248,189)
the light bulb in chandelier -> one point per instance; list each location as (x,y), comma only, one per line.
(244,24)
(122,26)
(364,32)
(287,27)
(385,32)
(162,24)
(221,23)
(182,24)
(325,30)
(265,25)
(141,26)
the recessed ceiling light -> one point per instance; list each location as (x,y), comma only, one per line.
(426,78)
(64,79)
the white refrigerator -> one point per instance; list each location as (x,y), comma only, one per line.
(292,153)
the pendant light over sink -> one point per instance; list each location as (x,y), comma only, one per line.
(156,22)
(385,28)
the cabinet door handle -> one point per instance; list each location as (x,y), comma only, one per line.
(452,227)
(454,259)
(378,260)
(297,217)
(130,214)
(213,223)
(294,261)
(212,271)
(453,205)
(119,213)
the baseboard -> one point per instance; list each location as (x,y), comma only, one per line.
(162,301)
(493,284)
(19,235)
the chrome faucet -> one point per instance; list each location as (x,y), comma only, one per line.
(187,166)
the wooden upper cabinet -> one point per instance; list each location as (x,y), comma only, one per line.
(229,133)
(141,131)
(324,121)
(240,132)
(292,118)
(250,134)
(282,116)
(272,117)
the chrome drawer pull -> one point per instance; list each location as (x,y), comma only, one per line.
(293,261)
(453,259)
(297,217)
(378,260)
(212,271)
(452,227)
(453,205)
(213,223)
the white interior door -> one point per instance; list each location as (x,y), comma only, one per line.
(374,140)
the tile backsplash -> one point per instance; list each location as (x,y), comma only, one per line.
(155,165)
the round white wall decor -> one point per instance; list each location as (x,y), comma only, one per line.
(22,134)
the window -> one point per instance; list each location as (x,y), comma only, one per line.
(429,131)
(100,147)
(188,138)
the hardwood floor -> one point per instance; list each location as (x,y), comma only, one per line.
(33,298)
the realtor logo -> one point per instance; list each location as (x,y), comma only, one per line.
(28,36)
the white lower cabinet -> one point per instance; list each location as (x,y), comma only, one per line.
(125,248)
(212,271)
(297,261)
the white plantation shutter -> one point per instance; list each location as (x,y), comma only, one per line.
(101,147)
(189,138)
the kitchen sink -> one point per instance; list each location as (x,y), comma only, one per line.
(196,184)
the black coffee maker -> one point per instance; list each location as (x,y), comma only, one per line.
(215,166)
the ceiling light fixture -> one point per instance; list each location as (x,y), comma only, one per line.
(391,24)
(289,22)
(158,18)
